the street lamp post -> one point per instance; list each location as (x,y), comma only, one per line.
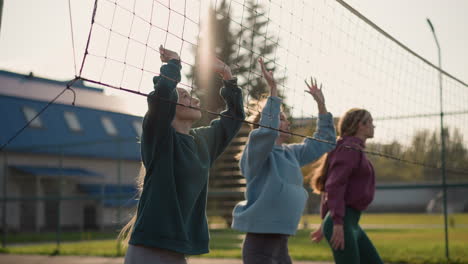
(442,140)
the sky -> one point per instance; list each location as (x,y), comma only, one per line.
(319,38)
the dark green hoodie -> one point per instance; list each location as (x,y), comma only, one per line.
(171,211)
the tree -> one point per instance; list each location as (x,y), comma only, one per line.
(226,44)
(256,42)
(425,148)
(1,12)
(222,42)
(456,154)
(389,170)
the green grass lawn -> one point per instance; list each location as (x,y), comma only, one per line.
(13,238)
(403,245)
(395,246)
(403,219)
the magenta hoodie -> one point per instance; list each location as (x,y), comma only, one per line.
(350,181)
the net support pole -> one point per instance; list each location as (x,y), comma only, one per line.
(59,202)
(442,141)
(101,205)
(4,203)
(119,190)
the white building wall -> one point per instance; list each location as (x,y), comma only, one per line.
(402,199)
(13,208)
(72,211)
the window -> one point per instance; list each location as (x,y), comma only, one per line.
(109,126)
(137,126)
(72,121)
(29,114)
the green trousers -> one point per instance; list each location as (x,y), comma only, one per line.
(358,249)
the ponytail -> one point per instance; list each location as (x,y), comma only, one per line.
(319,175)
(347,126)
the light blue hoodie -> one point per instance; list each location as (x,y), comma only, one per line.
(275,196)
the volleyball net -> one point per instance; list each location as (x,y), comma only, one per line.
(358,64)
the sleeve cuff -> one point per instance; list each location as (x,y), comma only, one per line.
(230,83)
(175,63)
(325,118)
(275,99)
(337,220)
(270,112)
(325,128)
(272,106)
(230,88)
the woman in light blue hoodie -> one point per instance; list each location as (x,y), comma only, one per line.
(275,196)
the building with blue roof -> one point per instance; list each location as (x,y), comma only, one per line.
(73,166)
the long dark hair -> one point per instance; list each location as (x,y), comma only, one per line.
(347,126)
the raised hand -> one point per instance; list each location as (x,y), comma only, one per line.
(167,55)
(315,91)
(222,69)
(317,94)
(268,75)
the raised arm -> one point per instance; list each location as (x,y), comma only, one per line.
(262,139)
(222,130)
(310,149)
(317,94)
(161,101)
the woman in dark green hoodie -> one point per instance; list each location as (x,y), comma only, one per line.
(170,222)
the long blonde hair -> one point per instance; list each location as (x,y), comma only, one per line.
(347,126)
(254,112)
(124,235)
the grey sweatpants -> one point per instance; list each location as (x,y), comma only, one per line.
(143,255)
(266,249)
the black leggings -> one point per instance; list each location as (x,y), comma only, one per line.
(358,248)
(265,249)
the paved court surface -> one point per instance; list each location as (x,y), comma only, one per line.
(35,259)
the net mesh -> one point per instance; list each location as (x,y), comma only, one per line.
(358,64)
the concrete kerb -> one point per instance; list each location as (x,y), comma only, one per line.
(40,259)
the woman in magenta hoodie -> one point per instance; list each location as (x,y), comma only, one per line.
(346,182)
